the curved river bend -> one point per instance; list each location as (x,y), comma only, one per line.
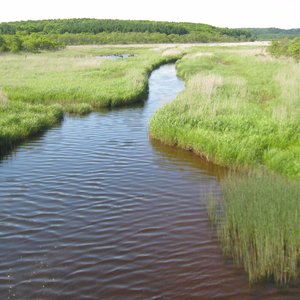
(93,210)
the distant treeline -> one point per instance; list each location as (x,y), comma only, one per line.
(137,38)
(95,26)
(286,47)
(90,26)
(273,33)
(94,31)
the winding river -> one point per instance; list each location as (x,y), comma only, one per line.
(94,210)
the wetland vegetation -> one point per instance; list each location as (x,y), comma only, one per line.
(240,109)
(258,225)
(36,89)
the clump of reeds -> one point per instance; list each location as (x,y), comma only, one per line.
(259,225)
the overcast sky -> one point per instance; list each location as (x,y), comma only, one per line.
(224,13)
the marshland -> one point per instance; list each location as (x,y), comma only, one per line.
(240,109)
(41,87)
(112,168)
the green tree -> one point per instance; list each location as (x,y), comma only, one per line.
(38,42)
(3,46)
(13,43)
(294,49)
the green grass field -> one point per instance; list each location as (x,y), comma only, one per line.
(75,80)
(79,75)
(240,109)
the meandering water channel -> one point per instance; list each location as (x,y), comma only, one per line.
(94,210)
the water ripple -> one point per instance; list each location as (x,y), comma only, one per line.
(93,210)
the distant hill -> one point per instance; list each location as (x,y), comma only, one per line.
(273,33)
(155,31)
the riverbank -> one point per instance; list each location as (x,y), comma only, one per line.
(36,89)
(100,211)
(240,109)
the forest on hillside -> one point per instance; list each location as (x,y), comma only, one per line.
(273,33)
(53,34)
(94,26)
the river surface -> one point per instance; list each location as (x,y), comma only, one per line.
(94,210)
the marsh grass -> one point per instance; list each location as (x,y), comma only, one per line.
(259,225)
(212,210)
(75,80)
(236,110)
(19,121)
(3,99)
(77,75)
(241,109)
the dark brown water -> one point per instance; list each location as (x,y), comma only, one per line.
(93,210)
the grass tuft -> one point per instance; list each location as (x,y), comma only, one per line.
(259,225)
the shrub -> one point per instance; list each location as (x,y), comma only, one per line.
(3,46)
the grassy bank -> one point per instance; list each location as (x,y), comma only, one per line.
(19,121)
(79,75)
(240,108)
(258,225)
(35,89)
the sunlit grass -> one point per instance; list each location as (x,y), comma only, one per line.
(78,75)
(76,79)
(241,109)
(259,225)
(3,99)
(236,110)
(19,121)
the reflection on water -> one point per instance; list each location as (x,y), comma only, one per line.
(92,210)
(173,156)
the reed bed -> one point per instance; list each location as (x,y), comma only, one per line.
(259,225)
